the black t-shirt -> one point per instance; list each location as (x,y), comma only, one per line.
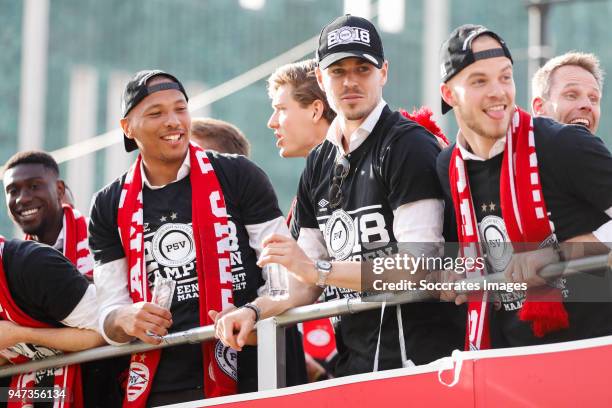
(47,286)
(576,177)
(170,253)
(43,283)
(395,165)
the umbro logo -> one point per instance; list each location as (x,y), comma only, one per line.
(323,203)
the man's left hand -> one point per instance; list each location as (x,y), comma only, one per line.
(524,266)
(234,327)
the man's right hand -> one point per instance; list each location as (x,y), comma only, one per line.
(450,276)
(138,320)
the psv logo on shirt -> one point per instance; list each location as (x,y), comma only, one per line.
(339,235)
(344,232)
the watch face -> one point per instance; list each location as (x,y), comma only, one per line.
(325,265)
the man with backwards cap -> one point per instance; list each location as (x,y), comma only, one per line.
(184,215)
(531,182)
(372,182)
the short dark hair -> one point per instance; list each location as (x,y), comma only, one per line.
(220,135)
(33,157)
(301,77)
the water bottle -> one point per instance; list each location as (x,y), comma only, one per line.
(277,284)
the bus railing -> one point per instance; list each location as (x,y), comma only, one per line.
(270,332)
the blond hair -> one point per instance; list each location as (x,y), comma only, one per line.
(541,82)
(301,77)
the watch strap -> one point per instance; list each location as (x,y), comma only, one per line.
(255,309)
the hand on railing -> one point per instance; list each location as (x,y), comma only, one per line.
(449,295)
(524,266)
(234,327)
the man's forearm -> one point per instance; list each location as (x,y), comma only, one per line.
(66,339)
(300,294)
(583,245)
(349,274)
(345,274)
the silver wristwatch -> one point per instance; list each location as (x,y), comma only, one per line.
(323,270)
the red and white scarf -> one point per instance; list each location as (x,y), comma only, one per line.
(68,377)
(526,219)
(76,244)
(209,222)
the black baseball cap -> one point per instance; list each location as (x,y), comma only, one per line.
(136,90)
(456,52)
(349,36)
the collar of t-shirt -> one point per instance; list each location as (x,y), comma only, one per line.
(182,173)
(496,149)
(336,129)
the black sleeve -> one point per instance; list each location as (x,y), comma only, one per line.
(408,167)
(304,216)
(586,165)
(43,282)
(104,239)
(442,165)
(258,202)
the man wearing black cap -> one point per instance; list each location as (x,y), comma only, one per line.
(371,183)
(185,218)
(531,182)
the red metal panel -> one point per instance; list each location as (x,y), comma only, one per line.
(577,378)
(572,378)
(413,390)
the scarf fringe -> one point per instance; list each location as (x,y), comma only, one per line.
(544,309)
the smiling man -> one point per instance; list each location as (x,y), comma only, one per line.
(370,184)
(181,213)
(568,88)
(517,179)
(34,196)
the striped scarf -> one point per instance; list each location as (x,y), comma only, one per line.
(76,244)
(209,219)
(526,219)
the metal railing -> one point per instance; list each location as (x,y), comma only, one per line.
(270,332)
